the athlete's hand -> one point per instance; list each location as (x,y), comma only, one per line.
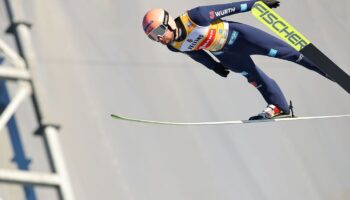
(221,70)
(271,3)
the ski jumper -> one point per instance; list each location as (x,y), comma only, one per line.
(233,44)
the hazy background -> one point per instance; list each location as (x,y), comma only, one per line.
(94,60)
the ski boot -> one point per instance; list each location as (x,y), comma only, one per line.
(270,112)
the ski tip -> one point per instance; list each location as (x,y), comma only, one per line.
(115,116)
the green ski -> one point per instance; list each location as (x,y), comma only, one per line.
(287,118)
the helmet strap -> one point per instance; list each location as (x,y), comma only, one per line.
(172,30)
(175,34)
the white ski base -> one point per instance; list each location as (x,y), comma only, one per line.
(226,122)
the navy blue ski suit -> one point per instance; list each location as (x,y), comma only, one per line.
(242,42)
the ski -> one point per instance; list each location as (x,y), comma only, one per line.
(294,38)
(289,118)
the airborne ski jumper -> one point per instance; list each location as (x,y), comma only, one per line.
(201,30)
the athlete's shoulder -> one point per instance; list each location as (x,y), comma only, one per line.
(197,15)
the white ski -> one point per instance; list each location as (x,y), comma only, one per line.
(225,122)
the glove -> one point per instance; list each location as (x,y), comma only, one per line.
(271,3)
(221,70)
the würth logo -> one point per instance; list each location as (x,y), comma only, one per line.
(220,13)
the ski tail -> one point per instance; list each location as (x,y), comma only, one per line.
(327,66)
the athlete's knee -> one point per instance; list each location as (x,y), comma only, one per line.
(255,81)
(286,53)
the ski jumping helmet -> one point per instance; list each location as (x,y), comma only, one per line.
(156,22)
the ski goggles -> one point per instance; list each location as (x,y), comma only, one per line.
(160,30)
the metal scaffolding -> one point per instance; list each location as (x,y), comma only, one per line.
(23,72)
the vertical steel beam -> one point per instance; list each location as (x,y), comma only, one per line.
(49,131)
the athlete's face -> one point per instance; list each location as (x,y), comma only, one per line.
(167,38)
